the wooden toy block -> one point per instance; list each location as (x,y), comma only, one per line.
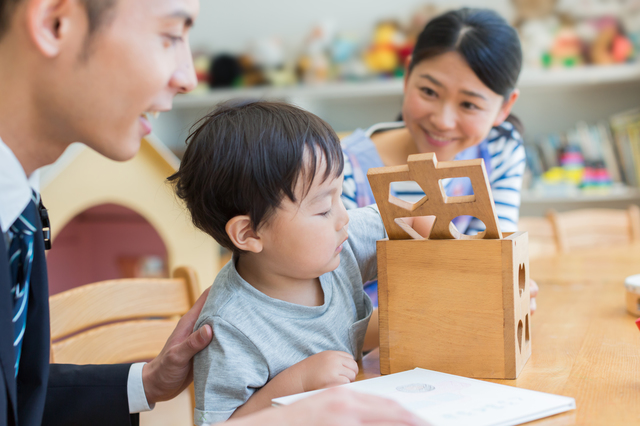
(452,303)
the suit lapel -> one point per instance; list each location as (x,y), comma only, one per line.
(7,357)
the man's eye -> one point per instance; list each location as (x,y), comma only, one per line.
(174,39)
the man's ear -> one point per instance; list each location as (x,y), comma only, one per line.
(505,109)
(242,235)
(49,23)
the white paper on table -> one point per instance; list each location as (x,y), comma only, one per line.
(448,400)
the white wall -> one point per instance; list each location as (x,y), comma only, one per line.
(230,25)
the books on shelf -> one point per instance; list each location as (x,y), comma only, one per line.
(448,400)
(610,153)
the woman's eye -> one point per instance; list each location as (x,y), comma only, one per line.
(469,105)
(325,214)
(428,91)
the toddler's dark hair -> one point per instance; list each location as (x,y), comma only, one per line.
(246,156)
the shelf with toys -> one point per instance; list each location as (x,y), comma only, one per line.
(580,66)
(531,78)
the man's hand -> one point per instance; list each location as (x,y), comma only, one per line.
(325,369)
(334,407)
(171,371)
(533,290)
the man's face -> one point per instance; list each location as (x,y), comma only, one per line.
(136,62)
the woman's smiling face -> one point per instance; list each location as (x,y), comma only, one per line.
(447,108)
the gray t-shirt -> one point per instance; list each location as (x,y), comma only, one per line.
(255,337)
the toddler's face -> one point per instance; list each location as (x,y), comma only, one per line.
(303,240)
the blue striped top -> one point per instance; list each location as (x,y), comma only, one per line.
(506,169)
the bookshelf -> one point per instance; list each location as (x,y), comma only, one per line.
(550,101)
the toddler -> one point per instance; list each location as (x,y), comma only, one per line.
(288,312)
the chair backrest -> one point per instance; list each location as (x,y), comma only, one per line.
(595,227)
(119,321)
(542,239)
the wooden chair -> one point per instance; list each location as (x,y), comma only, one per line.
(595,227)
(542,238)
(120,321)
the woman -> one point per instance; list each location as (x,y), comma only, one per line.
(459,88)
(458,92)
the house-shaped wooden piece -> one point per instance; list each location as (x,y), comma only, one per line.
(82,179)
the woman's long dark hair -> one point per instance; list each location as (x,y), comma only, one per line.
(489,45)
(485,40)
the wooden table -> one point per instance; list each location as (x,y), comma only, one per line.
(585,344)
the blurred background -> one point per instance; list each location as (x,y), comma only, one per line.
(343,60)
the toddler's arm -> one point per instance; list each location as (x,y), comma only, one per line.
(226,373)
(322,370)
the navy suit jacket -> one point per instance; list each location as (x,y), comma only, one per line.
(55,394)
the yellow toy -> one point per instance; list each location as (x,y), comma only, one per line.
(382,56)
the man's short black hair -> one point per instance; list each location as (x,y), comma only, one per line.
(246,156)
(97,12)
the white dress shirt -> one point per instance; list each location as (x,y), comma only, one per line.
(15,193)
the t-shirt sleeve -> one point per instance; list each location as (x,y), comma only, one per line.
(226,373)
(365,228)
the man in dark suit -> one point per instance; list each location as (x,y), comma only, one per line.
(88,70)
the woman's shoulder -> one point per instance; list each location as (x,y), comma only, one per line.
(504,139)
(364,137)
(383,127)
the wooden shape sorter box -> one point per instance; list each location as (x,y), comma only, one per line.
(452,303)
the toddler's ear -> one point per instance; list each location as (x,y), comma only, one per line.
(242,234)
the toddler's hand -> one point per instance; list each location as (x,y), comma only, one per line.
(326,369)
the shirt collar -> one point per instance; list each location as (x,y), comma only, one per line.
(15,187)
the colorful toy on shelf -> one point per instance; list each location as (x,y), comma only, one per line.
(383,56)
(346,60)
(609,45)
(252,74)
(537,24)
(595,177)
(566,50)
(572,162)
(566,33)
(313,65)
(452,303)
(225,71)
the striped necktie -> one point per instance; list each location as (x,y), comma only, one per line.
(20,261)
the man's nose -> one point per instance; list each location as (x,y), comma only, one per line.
(184,77)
